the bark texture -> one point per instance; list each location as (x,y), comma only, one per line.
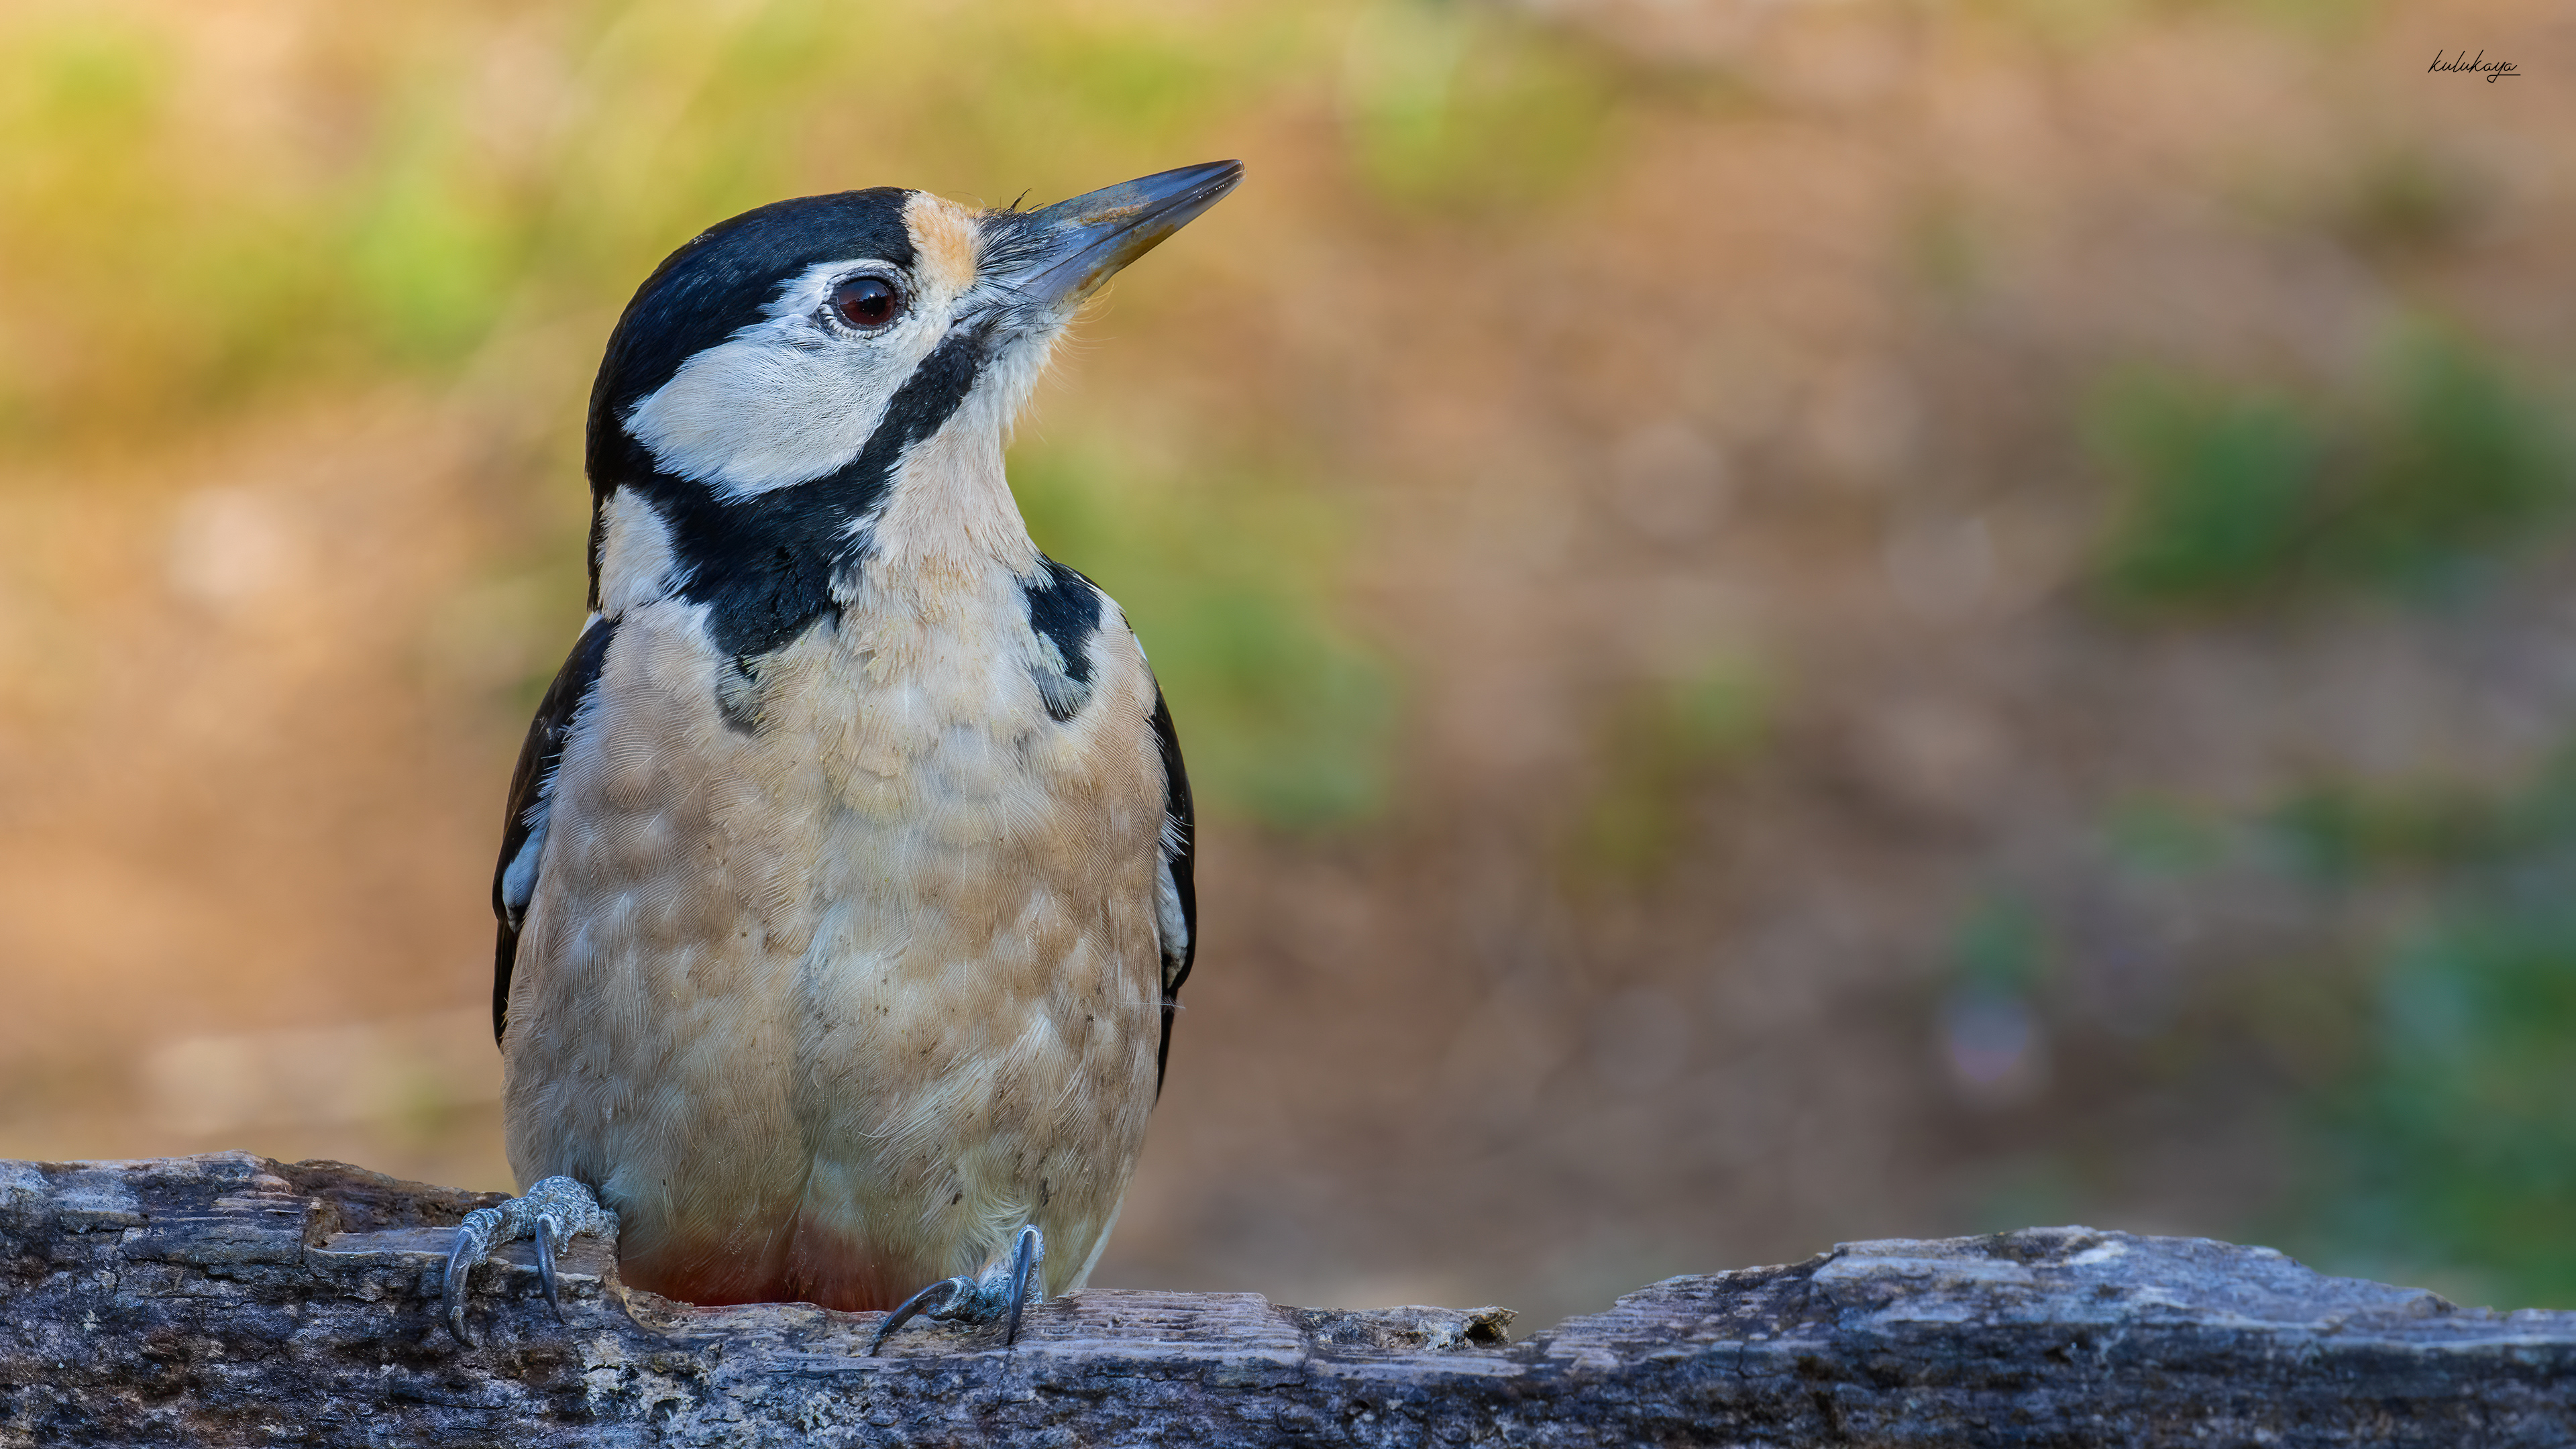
(229,1300)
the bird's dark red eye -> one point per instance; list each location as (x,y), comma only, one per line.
(867,302)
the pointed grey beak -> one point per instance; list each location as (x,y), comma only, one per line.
(1062,253)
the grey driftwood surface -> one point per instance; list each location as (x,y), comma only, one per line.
(229,1299)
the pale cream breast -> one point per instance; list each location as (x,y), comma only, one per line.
(876,977)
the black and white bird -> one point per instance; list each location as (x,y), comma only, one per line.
(846,886)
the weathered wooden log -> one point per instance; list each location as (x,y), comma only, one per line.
(229,1299)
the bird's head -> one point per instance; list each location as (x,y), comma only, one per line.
(818,345)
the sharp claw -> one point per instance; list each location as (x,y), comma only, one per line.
(1025,1256)
(916,1303)
(473,1239)
(545,1236)
(456,1303)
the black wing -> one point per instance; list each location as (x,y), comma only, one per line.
(1177,894)
(523,836)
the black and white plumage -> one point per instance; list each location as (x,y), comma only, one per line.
(846,890)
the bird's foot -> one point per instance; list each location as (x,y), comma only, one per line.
(552,1212)
(1010,1284)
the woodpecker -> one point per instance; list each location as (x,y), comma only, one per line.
(846,887)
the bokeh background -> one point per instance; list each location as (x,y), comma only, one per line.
(1796,621)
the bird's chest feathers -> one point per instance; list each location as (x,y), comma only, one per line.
(981,818)
(965,718)
(934,657)
(940,709)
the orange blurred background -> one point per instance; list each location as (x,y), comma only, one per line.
(1796,621)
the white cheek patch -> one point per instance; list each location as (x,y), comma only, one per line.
(636,561)
(785,400)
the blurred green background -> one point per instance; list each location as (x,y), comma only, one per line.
(1793,622)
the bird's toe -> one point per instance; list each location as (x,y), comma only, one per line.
(473,1240)
(939,1300)
(1001,1292)
(553,1212)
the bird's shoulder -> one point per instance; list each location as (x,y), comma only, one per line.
(525,824)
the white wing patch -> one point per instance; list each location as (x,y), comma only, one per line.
(519,881)
(1175,926)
